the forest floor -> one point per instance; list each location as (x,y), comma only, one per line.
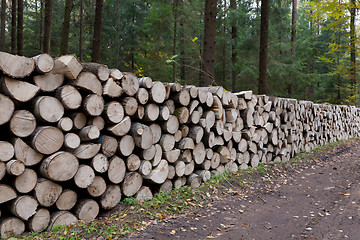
(315,197)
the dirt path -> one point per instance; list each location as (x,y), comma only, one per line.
(314,200)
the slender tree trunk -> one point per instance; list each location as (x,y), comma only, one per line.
(182,44)
(293,43)
(175,12)
(81,29)
(352,45)
(132,46)
(13,26)
(2,27)
(47,26)
(264,36)
(233,46)
(66,27)
(117,40)
(97,31)
(41,25)
(20,24)
(208,72)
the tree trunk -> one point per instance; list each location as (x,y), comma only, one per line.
(81,29)
(182,44)
(47,25)
(293,44)
(2,26)
(352,45)
(175,12)
(264,36)
(66,27)
(233,45)
(13,26)
(208,71)
(20,23)
(97,31)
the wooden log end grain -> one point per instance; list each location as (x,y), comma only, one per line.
(16,66)
(61,218)
(47,192)
(23,207)
(7,109)
(18,90)
(131,184)
(40,221)
(68,65)
(7,193)
(87,209)
(11,226)
(60,166)
(22,123)
(111,197)
(144,194)
(47,139)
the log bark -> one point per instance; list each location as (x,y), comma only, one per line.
(100,70)
(145,82)
(15,167)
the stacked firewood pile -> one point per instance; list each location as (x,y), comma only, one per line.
(77,138)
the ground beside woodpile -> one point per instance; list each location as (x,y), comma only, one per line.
(318,198)
(314,196)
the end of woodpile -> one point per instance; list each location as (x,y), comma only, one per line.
(79,137)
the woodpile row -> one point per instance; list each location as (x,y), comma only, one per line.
(77,138)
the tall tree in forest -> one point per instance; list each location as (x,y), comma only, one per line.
(233,45)
(41,25)
(293,43)
(264,39)
(97,31)
(66,27)
(352,43)
(117,35)
(13,26)
(20,23)
(208,69)
(47,25)
(2,26)
(175,12)
(81,29)
(182,43)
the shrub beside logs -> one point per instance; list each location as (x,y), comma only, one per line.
(77,138)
